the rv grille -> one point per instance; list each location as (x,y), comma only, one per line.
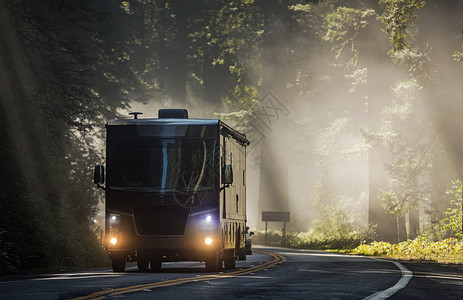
(160,220)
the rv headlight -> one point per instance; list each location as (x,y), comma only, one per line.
(114,221)
(208,240)
(207,222)
(114,218)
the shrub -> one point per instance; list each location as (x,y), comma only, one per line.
(445,251)
(453,220)
(311,240)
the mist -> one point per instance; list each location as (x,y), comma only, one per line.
(312,133)
(318,130)
(322,138)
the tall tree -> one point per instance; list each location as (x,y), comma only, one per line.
(273,191)
(47,106)
(379,80)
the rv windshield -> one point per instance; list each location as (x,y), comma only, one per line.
(161,164)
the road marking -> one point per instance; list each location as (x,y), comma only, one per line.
(75,277)
(277,259)
(127,269)
(403,281)
(451,277)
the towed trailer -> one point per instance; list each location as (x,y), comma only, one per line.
(175,190)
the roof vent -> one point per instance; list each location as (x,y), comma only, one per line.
(135,114)
(173,114)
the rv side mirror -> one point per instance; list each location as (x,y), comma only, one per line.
(98,175)
(228,175)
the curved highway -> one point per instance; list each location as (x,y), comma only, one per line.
(270,273)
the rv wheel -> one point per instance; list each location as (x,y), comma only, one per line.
(118,263)
(213,263)
(230,262)
(242,254)
(143,264)
(156,264)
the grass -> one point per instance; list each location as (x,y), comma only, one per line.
(445,251)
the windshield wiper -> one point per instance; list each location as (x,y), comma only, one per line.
(185,192)
(200,188)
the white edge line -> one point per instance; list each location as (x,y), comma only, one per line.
(403,281)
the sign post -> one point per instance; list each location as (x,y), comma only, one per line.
(276,216)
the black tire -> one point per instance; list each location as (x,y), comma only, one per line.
(156,264)
(143,264)
(242,254)
(213,263)
(118,263)
(230,262)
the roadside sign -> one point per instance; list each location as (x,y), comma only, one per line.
(275,216)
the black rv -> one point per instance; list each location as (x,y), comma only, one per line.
(175,191)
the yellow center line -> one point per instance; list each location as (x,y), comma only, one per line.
(277,259)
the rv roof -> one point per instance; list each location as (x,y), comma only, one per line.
(163,122)
(226,130)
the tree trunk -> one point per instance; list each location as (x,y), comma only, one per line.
(379,80)
(139,59)
(413,223)
(162,48)
(273,188)
(440,26)
(178,80)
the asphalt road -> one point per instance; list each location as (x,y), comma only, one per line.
(270,273)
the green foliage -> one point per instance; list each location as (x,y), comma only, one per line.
(344,28)
(418,63)
(331,150)
(338,219)
(458,55)
(274,238)
(410,143)
(338,225)
(446,251)
(307,240)
(453,220)
(396,203)
(399,15)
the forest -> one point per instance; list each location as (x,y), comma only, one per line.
(361,139)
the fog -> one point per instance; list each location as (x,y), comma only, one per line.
(321,137)
(312,130)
